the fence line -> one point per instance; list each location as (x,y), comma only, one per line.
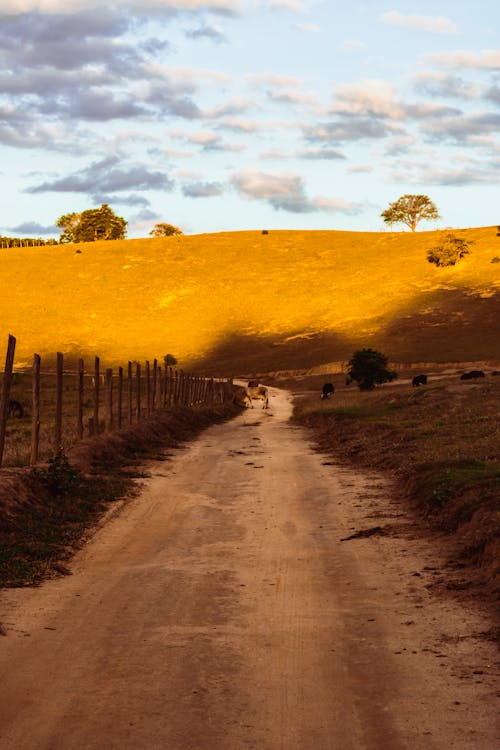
(161,387)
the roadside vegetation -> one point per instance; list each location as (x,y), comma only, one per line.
(441,442)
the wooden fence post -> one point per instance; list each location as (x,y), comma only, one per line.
(130,392)
(148,390)
(109,399)
(79,418)
(96,394)
(155,377)
(59,401)
(35,411)
(120,397)
(4,400)
(161,383)
(138,391)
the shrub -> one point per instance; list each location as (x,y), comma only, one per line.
(368,367)
(449,251)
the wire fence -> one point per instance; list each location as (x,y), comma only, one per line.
(42,412)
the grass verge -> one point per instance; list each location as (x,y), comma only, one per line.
(441,443)
(48,513)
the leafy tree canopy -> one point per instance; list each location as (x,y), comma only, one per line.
(368,367)
(410,210)
(449,251)
(170,360)
(91,225)
(165,230)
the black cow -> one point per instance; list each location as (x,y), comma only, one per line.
(419,380)
(472,375)
(328,390)
(495,372)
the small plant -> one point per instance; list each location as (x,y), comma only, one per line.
(59,477)
(496,259)
(449,251)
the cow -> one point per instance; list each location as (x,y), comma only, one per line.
(241,398)
(495,372)
(15,409)
(472,375)
(258,393)
(328,390)
(253,384)
(419,380)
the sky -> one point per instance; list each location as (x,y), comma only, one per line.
(226,115)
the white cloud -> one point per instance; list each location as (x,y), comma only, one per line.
(285,191)
(484,60)
(75,6)
(434,24)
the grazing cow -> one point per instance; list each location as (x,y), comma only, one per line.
(15,409)
(419,380)
(472,375)
(241,398)
(258,393)
(253,384)
(495,372)
(328,390)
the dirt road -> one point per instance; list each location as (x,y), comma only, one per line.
(219,610)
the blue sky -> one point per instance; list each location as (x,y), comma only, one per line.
(220,115)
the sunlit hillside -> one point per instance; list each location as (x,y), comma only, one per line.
(252,301)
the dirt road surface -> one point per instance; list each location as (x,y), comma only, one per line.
(219,610)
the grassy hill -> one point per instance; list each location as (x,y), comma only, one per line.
(245,301)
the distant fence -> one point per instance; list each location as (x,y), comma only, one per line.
(115,398)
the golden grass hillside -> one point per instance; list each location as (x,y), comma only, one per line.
(247,301)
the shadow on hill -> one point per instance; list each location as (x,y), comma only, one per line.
(451,325)
(246,355)
(448,325)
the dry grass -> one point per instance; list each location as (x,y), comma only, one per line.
(441,441)
(244,301)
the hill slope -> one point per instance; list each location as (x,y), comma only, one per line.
(248,301)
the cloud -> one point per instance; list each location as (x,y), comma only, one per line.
(485,60)
(203,189)
(214,33)
(455,176)
(208,141)
(436,84)
(225,7)
(463,129)
(107,176)
(434,24)
(349,129)
(292,97)
(285,191)
(33,228)
(320,154)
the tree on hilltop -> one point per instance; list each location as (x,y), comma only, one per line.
(368,367)
(410,210)
(92,225)
(165,230)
